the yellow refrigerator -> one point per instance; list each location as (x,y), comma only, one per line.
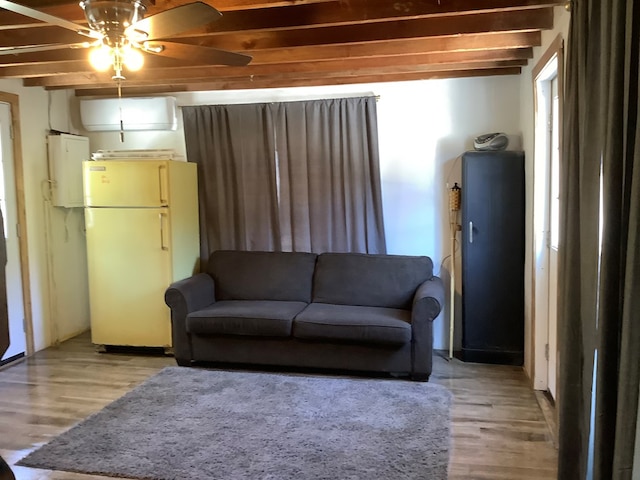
(141,220)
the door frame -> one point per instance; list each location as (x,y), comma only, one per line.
(18,166)
(540,192)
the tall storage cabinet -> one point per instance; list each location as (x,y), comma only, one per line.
(142,234)
(493,211)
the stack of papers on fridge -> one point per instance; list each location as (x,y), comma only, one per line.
(152,154)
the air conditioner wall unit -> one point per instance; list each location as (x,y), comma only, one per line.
(137,113)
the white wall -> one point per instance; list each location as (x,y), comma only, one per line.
(39,113)
(561,27)
(423,127)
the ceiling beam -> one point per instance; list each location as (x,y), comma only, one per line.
(411,46)
(258,14)
(40,36)
(421,28)
(411,62)
(283,77)
(236,85)
(251,40)
(71,10)
(356,12)
(486,41)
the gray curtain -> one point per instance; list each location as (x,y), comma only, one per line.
(298,176)
(600,280)
(233,146)
(329,175)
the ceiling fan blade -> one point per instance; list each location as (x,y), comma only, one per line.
(41,48)
(176,20)
(45,17)
(199,54)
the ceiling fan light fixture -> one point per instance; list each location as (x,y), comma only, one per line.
(132,59)
(101,58)
(120,34)
(104,57)
(112,17)
(152,47)
(135,35)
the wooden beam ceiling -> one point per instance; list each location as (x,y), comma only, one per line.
(295,43)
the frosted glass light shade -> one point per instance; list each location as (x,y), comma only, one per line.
(101,58)
(133,59)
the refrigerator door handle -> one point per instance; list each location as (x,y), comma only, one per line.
(163,244)
(162,178)
(470,232)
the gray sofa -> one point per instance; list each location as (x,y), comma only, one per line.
(342,311)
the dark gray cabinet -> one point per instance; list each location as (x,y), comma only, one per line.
(493,211)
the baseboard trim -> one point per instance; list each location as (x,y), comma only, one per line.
(548,407)
(501,357)
(71,335)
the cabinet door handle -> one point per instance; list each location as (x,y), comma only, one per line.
(470,232)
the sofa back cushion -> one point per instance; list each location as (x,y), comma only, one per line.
(239,275)
(369,280)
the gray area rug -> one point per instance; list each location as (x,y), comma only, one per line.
(196,424)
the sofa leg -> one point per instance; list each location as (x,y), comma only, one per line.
(420,377)
(183,362)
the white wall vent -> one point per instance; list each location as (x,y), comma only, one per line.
(138,113)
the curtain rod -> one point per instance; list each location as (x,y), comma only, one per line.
(377,97)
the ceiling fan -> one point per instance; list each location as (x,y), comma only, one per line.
(118,34)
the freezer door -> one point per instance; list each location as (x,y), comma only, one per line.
(125,183)
(129,263)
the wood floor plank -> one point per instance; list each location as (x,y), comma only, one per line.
(498,429)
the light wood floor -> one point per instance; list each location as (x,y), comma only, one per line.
(499,431)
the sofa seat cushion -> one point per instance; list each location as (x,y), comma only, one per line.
(321,321)
(245,317)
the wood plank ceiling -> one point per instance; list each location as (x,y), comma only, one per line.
(298,43)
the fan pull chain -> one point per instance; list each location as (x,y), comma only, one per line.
(119,83)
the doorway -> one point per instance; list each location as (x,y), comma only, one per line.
(8,206)
(553,203)
(547,77)
(12,208)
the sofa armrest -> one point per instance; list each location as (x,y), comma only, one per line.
(428,300)
(427,305)
(184,297)
(191,294)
